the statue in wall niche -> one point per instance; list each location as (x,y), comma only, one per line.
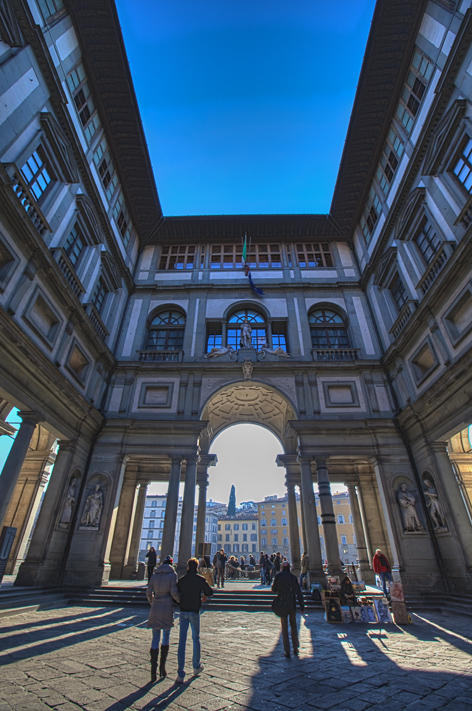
(222,350)
(92,509)
(246,332)
(66,515)
(434,507)
(407,502)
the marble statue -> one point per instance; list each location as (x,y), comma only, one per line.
(66,515)
(93,508)
(246,331)
(279,351)
(407,504)
(434,507)
(216,352)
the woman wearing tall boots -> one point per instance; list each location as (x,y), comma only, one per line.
(161,592)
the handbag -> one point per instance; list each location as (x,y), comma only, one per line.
(282,604)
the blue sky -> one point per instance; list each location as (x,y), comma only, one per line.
(245,105)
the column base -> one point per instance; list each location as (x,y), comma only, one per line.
(38,574)
(368,576)
(87,577)
(129,571)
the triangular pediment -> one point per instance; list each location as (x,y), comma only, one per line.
(413,204)
(442,137)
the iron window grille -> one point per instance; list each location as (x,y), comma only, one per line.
(328,329)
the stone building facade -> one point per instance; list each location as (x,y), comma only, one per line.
(134,339)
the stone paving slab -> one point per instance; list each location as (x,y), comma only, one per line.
(97,659)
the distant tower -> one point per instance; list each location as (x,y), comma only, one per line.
(232,502)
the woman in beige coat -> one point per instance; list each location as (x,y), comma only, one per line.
(161,593)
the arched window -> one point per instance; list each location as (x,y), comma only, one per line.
(166,334)
(328,329)
(258,333)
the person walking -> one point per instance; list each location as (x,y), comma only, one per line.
(286,585)
(161,593)
(151,555)
(304,568)
(220,568)
(382,568)
(194,590)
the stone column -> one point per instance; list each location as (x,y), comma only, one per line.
(44,560)
(188,512)
(172,503)
(302,526)
(311,521)
(457,508)
(206,460)
(201,513)
(364,566)
(328,518)
(132,563)
(124,522)
(293,525)
(12,467)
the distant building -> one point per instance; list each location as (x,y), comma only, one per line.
(153,525)
(238,534)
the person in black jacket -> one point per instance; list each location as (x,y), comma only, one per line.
(194,590)
(285,583)
(151,555)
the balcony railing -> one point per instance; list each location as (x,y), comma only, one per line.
(161,356)
(435,267)
(403,318)
(26,199)
(69,272)
(326,354)
(94,317)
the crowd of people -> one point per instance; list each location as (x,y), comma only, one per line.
(188,592)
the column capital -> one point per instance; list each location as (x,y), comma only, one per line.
(285,460)
(30,417)
(321,463)
(439,447)
(208,460)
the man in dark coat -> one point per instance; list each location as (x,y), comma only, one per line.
(151,555)
(194,590)
(286,584)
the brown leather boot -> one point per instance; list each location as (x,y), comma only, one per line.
(162,663)
(154,654)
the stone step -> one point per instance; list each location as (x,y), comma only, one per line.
(14,602)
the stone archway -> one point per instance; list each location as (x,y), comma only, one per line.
(253,403)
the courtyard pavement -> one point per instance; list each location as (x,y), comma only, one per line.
(98,659)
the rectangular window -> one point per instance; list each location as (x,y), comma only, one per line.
(427,241)
(227,537)
(106,168)
(340,519)
(178,257)
(371,214)
(36,173)
(414,90)
(344,540)
(263,256)
(391,154)
(399,292)
(244,526)
(214,336)
(82,96)
(244,536)
(236,536)
(279,336)
(122,218)
(226,256)
(317,254)
(463,167)
(74,246)
(99,294)
(253,537)
(245,548)
(50,7)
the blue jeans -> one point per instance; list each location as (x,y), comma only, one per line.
(302,578)
(156,636)
(186,619)
(383,578)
